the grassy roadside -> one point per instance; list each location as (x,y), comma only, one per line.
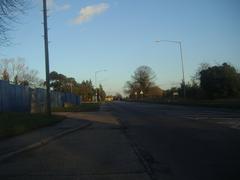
(12,124)
(219,103)
(84,107)
(209,103)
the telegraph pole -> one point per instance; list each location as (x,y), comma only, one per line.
(48,100)
(183,81)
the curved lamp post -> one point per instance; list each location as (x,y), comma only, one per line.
(180,47)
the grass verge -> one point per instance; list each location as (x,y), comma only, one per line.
(12,124)
(219,103)
(84,107)
(211,104)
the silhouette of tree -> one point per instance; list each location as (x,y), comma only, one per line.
(86,90)
(142,80)
(196,77)
(62,83)
(220,81)
(9,12)
(101,93)
(154,92)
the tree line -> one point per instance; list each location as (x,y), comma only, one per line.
(85,89)
(15,71)
(209,82)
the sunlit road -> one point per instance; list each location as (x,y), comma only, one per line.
(183,142)
(132,141)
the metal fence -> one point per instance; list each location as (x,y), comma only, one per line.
(14,98)
(17,98)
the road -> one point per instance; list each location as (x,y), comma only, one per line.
(139,141)
(184,142)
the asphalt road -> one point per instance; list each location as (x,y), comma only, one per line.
(184,142)
(129,141)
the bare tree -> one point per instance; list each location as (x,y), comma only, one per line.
(5,75)
(9,13)
(19,72)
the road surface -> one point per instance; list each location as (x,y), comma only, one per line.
(139,141)
(183,142)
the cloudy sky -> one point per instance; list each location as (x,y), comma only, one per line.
(118,35)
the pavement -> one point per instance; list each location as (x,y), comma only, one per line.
(128,141)
(100,151)
(12,146)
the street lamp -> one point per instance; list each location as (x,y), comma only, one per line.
(180,47)
(96,72)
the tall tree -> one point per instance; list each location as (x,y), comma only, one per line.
(86,90)
(101,93)
(220,81)
(155,92)
(142,80)
(196,77)
(60,82)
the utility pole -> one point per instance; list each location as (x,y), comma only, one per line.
(184,85)
(48,100)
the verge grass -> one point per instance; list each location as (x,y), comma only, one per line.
(12,124)
(233,104)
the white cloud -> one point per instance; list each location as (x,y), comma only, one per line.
(88,12)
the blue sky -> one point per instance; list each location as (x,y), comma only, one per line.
(118,35)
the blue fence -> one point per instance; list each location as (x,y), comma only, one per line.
(16,98)
(70,98)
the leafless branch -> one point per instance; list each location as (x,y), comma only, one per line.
(9,14)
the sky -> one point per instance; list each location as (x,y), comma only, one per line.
(119,35)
